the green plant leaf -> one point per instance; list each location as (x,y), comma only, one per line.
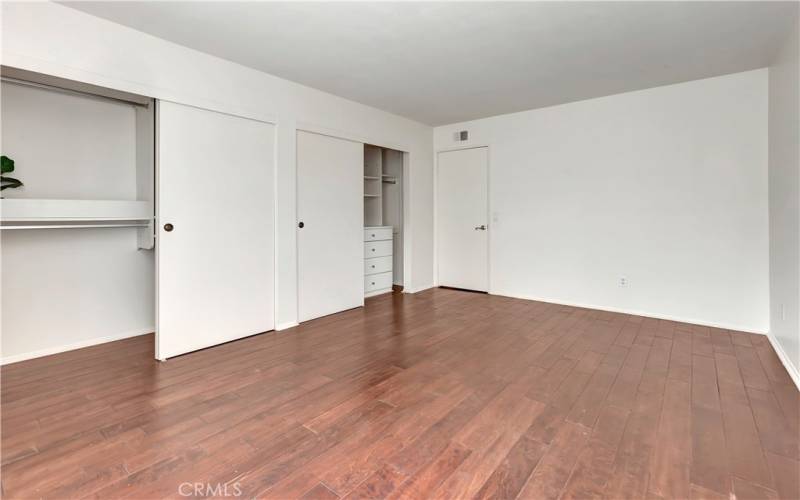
(9,182)
(6,164)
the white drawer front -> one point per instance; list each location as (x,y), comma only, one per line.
(377,281)
(378,233)
(377,248)
(377,265)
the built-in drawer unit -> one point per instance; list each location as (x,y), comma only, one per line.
(378,272)
(375,282)
(377,233)
(377,248)
(377,265)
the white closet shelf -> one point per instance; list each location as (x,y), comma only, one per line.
(43,210)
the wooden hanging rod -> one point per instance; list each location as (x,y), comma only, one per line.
(74,226)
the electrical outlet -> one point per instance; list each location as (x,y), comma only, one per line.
(623,282)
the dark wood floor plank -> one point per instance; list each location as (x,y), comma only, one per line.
(439,394)
(699,493)
(705,392)
(627,335)
(721,341)
(596,462)
(551,475)
(740,338)
(772,365)
(543,389)
(509,477)
(669,471)
(572,387)
(775,432)
(784,473)
(701,341)
(320,492)
(745,490)
(729,380)
(546,424)
(680,361)
(789,400)
(430,477)
(626,385)
(587,408)
(379,484)
(709,465)
(430,443)
(467,480)
(751,368)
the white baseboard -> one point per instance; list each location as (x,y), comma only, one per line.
(286,326)
(418,289)
(787,363)
(646,314)
(5,360)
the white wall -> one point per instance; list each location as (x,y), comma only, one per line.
(68,146)
(54,39)
(71,287)
(784,202)
(666,187)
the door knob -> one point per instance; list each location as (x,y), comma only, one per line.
(482,227)
(168,227)
(301,225)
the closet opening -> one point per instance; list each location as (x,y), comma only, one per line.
(383,220)
(77,233)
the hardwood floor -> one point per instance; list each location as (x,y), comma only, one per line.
(442,394)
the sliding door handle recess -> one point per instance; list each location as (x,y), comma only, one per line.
(482,227)
(301,224)
(168,227)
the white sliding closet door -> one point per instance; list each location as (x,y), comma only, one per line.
(215,228)
(461,219)
(330,243)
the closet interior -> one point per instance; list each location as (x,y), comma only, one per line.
(85,155)
(77,235)
(383,219)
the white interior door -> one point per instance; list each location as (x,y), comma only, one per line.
(215,228)
(462,225)
(330,207)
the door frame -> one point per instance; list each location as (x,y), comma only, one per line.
(489,222)
(407,235)
(156,214)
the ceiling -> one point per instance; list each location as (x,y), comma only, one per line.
(445,62)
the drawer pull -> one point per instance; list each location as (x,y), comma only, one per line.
(373,235)
(373,283)
(373,266)
(373,249)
